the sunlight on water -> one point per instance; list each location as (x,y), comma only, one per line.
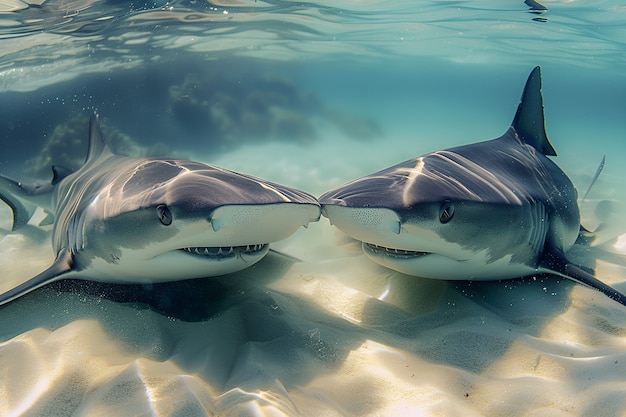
(310,95)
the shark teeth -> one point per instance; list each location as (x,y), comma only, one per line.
(225,251)
(392,252)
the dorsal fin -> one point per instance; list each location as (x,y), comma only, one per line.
(529,121)
(97,147)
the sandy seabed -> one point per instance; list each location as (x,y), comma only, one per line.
(333,334)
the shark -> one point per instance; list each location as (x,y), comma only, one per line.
(144,220)
(492,210)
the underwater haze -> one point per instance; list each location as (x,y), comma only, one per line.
(311,95)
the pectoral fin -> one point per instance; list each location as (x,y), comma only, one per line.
(557,263)
(61,266)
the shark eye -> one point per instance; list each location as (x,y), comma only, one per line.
(164,214)
(446,211)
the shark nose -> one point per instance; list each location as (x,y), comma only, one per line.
(364,223)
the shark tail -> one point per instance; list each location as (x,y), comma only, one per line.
(23,199)
(62,265)
(595,177)
(557,263)
(10,193)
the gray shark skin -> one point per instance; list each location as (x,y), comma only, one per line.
(141,220)
(492,210)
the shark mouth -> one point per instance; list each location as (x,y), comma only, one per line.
(223,252)
(392,252)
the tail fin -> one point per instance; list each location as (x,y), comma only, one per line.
(595,177)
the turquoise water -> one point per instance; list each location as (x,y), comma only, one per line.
(311,95)
(398,70)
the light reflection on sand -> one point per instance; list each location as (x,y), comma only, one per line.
(317,340)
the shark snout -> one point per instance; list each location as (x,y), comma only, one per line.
(365,224)
(244,224)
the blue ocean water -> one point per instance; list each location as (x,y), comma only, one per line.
(404,67)
(311,94)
